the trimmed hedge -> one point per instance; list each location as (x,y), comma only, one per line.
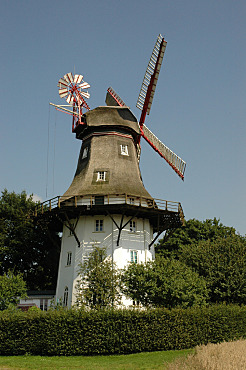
(77,332)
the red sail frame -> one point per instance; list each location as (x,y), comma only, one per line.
(154,78)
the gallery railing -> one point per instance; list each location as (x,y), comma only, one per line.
(91,200)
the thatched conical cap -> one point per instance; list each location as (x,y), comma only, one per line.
(107,131)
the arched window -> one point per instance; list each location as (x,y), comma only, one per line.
(65,297)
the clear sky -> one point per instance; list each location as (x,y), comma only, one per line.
(198,110)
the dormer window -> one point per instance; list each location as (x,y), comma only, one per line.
(124,149)
(85,152)
(101,175)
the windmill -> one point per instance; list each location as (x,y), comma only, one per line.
(107,204)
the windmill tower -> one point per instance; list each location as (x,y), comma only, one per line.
(107,204)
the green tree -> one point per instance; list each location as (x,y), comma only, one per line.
(12,287)
(222,262)
(193,231)
(99,281)
(25,245)
(164,283)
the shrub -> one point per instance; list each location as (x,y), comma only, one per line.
(99,332)
(164,283)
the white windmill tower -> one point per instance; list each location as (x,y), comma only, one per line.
(107,204)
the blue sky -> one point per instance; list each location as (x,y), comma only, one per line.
(198,110)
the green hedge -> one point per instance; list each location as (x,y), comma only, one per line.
(77,332)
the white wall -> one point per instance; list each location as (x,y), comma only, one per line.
(89,237)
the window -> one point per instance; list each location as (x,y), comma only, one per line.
(131,200)
(65,297)
(134,256)
(44,304)
(101,175)
(132,226)
(85,152)
(124,149)
(69,258)
(99,225)
(99,200)
(70,230)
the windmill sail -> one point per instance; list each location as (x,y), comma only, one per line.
(147,90)
(172,159)
(113,99)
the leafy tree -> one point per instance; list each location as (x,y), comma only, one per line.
(12,287)
(164,283)
(193,231)
(25,245)
(222,263)
(98,286)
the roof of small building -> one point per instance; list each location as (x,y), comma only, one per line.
(41,293)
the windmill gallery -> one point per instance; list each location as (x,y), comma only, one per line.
(107,204)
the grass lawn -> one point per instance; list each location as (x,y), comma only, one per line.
(147,360)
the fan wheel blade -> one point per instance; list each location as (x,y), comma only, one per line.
(85,94)
(62,83)
(63,93)
(70,99)
(84,85)
(78,79)
(69,77)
